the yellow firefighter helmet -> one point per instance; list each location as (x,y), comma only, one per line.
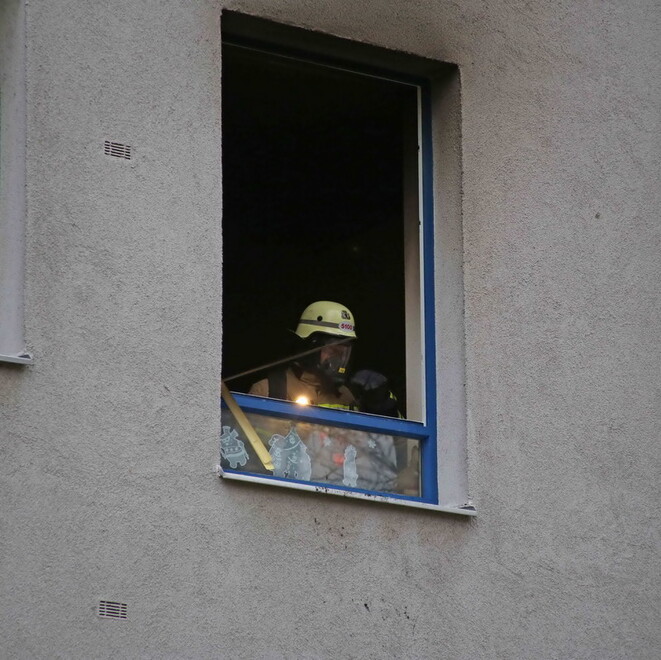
(328,317)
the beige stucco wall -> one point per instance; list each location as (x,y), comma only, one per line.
(108,443)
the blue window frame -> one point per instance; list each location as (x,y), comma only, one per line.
(419,431)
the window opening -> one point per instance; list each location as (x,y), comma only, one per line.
(321,202)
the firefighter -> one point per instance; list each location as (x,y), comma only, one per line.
(320,377)
(317,378)
(317,452)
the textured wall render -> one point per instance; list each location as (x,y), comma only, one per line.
(108,442)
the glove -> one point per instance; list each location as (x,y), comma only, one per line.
(372,392)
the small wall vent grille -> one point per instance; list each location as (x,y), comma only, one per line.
(112,610)
(117,149)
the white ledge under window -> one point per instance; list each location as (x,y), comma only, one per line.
(24,358)
(466,509)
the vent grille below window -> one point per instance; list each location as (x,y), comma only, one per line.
(112,610)
(117,149)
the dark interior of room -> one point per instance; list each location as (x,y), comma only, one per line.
(312,207)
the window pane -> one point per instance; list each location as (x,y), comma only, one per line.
(320,453)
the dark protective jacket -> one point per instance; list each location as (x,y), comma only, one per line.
(306,384)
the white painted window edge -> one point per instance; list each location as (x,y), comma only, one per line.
(466,509)
(12,191)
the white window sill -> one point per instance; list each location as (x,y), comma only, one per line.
(465,510)
(25,358)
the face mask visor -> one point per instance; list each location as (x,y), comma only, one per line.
(334,358)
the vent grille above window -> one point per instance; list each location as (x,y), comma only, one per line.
(112,610)
(117,149)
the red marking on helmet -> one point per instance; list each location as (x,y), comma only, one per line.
(346,326)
